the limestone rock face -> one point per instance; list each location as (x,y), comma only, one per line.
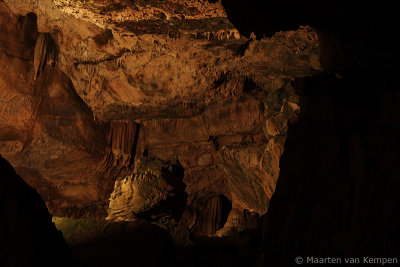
(47,132)
(103,86)
(92,90)
(27,235)
(124,64)
(165,111)
(153,186)
(141,193)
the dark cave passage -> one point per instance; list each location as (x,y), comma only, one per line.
(336,193)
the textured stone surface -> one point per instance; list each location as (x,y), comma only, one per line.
(154,186)
(137,73)
(102,91)
(48,133)
(92,90)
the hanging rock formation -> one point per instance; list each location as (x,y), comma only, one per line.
(105,95)
(187,114)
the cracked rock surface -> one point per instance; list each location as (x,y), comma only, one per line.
(104,86)
(148,118)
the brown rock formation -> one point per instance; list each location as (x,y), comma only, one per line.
(206,215)
(166,111)
(103,95)
(155,188)
(140,74)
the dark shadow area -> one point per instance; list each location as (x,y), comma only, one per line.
(140,243)
(137,243)
(266,17)
(175,203)
(205,215)
(365,31)
(174,176)
(27,235)
(237,250)
(29,29)
(336,195)
(135,143)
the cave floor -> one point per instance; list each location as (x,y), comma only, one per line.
(141,243)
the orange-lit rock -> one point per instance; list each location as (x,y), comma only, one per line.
(244,150)
(155,188)
(100,88)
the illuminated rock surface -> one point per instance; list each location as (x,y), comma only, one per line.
(217,104)
(174,113)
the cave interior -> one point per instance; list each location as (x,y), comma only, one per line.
(199,133)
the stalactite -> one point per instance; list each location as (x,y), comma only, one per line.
(121,137)
(91,72)
(45,53)
(207,216)
(39,54)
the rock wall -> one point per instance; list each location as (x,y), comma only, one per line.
(166,111)
(102,96)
